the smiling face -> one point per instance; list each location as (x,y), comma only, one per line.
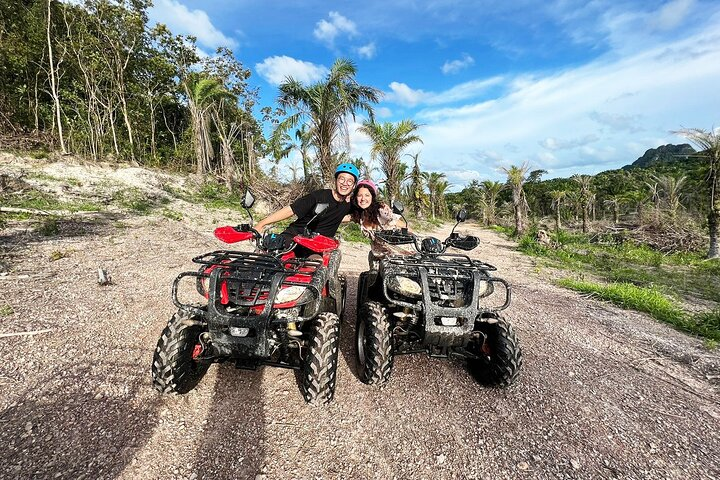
(344,183)
(363,197)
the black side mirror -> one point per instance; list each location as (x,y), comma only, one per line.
(248,200)
(461,215)
(398,207)
(319,208)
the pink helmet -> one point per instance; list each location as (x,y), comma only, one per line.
(368,184)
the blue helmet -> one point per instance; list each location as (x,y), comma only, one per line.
(347,168)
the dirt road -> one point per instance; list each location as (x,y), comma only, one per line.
(604,393)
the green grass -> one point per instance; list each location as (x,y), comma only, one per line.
(653,302)
(351,233)
(172,214)
(48,227)
(635,276)
(36,200)
(629,296)
(6,310)
(686,274)
(133,200)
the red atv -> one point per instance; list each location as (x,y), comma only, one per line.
(267,307)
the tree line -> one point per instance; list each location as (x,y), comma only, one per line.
(93,79)
(679,193)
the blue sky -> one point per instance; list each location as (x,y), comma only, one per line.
(567,86)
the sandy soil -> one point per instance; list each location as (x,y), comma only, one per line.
(604,393)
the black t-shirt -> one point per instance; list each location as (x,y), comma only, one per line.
(327,222)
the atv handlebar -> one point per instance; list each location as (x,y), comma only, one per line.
(429,245)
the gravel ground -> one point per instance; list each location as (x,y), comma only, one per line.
(604,393)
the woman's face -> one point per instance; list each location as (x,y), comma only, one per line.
(364,198)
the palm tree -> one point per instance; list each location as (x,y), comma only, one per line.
(672,188)
(655,197)
(388,142)
(203,93)
(615,202)
(326,106)
(415,189)
(515,180)
(709,144)
(586,197)
(557,198)
(436,185)
(491,190)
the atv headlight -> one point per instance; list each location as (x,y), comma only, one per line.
(290,294)
(404,286)
(483,287)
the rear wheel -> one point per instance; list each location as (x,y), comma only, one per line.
(175,369)
(499,356)
(373,341)
(320,363)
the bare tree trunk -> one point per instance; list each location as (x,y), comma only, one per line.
(557,218)
(54,80)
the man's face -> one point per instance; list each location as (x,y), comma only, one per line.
(344,183)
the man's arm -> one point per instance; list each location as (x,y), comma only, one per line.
(282,214)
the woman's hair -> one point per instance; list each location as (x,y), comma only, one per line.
(370,216)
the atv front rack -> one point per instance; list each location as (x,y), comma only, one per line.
(247,282)
(466,280)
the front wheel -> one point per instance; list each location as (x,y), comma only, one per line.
(373,341)
(320,363)
(499,356)
(175,369)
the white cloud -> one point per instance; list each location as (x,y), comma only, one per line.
(457,65)
(383,112)
(672,14)
(326,31)
(182,20)
(552,143)
(367,51)
(276,69)
(404,95)
(580,117)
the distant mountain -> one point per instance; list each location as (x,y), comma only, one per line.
(662,155)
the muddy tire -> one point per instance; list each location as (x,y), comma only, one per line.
(373,343)
(174,371)
(320,363)
(500,357)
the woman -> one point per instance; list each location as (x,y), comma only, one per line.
(372,216)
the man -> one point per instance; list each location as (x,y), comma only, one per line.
(327,223)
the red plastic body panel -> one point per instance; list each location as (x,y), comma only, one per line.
(230,235)
(318,243)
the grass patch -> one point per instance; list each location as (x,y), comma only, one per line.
(6,310)
(133,200)
(351,233)
(172,214)
(37,200)
(214,195)
(630,296)
(48,227)
(653,302)
(58,254)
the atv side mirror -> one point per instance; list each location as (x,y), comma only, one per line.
(461,215)
(319,208)
(398,207)
(248,200)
